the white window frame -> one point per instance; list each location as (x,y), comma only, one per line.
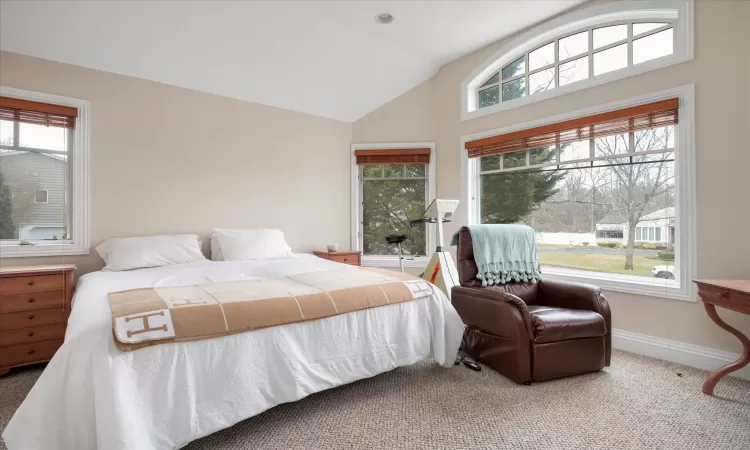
(78,161)
(679,13)
(356,207)
(685,237)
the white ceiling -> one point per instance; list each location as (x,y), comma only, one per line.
(327,58)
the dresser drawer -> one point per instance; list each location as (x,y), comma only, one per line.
(346,259)
(41,351)
(725,298)
(26,319)
(31,335)
(31,301)
(35,283)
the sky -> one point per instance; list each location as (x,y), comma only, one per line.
(35,136)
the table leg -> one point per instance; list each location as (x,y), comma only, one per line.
(710,384)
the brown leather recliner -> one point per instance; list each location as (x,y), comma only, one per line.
(531,331)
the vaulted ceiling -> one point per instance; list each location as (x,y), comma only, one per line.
(327,58)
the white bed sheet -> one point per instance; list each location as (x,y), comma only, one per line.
(93,396)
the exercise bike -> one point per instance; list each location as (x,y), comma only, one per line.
(441,270)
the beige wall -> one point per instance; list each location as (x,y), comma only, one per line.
(168,160)
(720,73)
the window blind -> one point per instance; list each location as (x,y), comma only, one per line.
(642,117)
(37,113)
(393,156)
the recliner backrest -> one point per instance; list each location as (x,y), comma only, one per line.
(467,268)
(467,272)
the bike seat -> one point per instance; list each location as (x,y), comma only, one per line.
(395,238)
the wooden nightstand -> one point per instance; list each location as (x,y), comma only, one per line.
(353,258)
(34,308)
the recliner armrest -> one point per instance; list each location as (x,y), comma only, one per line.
(494,312)
(572,296)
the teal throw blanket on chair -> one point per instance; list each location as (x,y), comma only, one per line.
(504,253)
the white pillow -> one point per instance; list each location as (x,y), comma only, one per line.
(233,245)
(216,254)
(149,251)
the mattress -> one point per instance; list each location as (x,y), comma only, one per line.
(94,396)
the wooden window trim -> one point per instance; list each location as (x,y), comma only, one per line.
(37,113)
(393,156)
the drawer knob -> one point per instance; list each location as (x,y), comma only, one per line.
(31,352)
(31,300)
(31,333)
(31,282)
(31,317)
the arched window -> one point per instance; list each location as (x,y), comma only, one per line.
(583,49)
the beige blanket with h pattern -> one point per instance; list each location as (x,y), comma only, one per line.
(150,316)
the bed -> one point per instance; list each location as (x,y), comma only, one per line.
(94,396)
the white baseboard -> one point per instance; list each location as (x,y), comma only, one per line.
(676,352)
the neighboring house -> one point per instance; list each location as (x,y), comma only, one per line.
(611,229)
(653,228)
(38,184)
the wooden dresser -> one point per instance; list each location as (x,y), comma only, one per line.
(34,308)
(353,258)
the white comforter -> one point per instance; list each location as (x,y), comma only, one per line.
(93,396)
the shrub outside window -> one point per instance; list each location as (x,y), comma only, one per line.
(392,196)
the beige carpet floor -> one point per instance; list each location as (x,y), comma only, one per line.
(638,403)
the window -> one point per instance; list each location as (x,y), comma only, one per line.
(649,234)
(572,58)
(41,196)
(393,187)
(582,49)
(40,135)
(603,190)
(609,234)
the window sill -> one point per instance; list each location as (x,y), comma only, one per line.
(628,284)
(42,249)
(386,261)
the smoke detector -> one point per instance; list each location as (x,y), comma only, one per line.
(384,18)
